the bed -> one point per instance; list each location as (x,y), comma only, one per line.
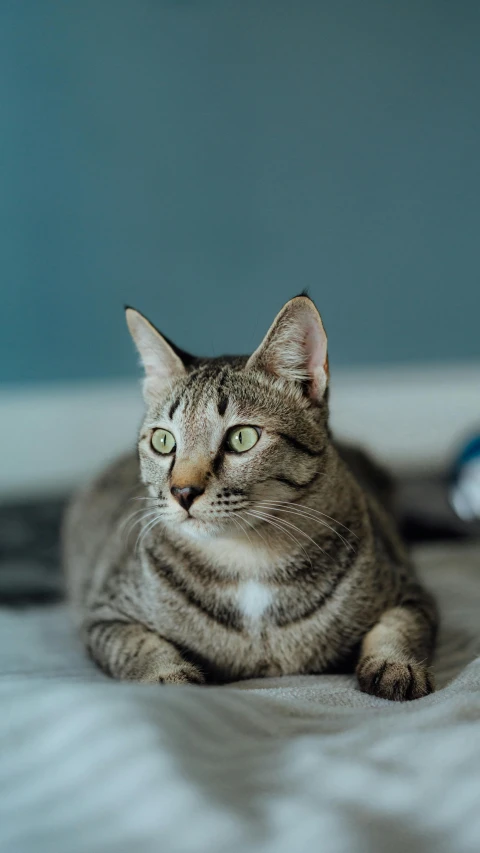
(294,764)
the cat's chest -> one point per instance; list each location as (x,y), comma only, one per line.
(244,629)
(244,588)
(238,627)
(253,600)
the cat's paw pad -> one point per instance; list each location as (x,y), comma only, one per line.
(395,680)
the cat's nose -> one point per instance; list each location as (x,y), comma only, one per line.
(186,495)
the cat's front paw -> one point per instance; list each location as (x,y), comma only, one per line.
(184,673)
(393,679)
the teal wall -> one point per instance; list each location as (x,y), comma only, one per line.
(204,161)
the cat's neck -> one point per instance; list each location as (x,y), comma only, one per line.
(237,556)
(282,532)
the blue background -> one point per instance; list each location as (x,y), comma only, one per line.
(205,161)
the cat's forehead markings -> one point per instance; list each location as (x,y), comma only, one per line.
(174,406)
(222,395)
(176,409)
(194,396)
(204,405)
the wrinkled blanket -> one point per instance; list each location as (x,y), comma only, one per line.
(295,764)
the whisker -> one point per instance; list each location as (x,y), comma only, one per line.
(237,521)
(137,512)
(255,529)
(317,512)
(147,514)
(142,509)
(282,530)
(299,530)
(304,514)
(148,527)
(278,525)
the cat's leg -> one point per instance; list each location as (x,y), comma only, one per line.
(128,650)
(395,654)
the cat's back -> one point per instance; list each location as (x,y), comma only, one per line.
(94,520)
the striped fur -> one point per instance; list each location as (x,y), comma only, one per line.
(283,564)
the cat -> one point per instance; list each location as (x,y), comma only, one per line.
(237,543)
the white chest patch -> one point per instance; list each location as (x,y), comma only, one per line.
(253,599)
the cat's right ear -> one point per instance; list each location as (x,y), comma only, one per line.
(160,360)
(295,347)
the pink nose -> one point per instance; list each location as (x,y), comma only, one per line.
(186,495)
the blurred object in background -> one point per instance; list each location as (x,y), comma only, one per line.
(30,552)
(465,488)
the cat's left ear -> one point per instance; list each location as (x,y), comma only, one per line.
(161,359)
(295,347)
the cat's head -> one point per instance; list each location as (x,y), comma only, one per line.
(223,437)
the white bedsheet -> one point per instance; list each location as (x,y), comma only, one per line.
(296,764)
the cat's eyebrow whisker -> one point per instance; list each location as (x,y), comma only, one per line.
(298,529)
(277,524)
(294,511)
(317,512)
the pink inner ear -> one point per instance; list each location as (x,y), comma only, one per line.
(316,347)
(152,364)
(317,362)
(159,363)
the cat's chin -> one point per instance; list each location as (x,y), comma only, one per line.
(196,528)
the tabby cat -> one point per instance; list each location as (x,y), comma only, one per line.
(237,542)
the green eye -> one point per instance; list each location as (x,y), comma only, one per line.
(163,441)
(243,438)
